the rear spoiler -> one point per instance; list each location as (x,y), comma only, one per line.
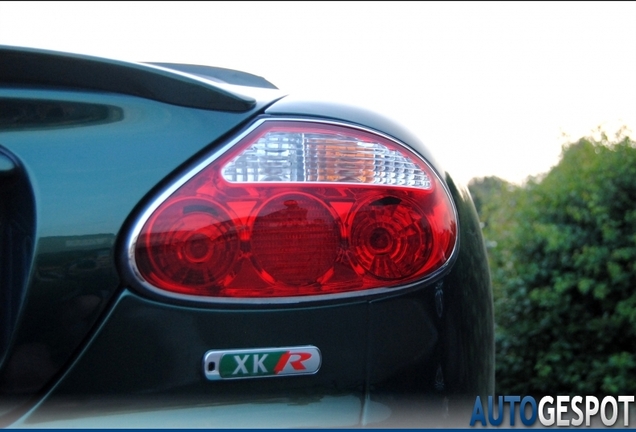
(35,67)
(222,75)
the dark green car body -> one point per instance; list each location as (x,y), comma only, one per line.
(85,145)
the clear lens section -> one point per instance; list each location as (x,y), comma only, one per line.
(320,157)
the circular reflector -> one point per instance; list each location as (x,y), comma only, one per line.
(295,239)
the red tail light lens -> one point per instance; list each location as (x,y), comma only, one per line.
(298,208)
(391,239)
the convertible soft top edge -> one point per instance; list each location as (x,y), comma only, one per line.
(28,66)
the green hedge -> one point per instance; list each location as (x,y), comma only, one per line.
(562,250)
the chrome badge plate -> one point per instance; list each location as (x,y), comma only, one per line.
(261,362)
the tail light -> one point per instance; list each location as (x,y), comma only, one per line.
(297,208)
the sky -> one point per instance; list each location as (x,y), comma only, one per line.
(494,88)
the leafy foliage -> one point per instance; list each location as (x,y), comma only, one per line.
(562,251)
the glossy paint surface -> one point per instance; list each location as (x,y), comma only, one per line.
(87,346)
(87,174)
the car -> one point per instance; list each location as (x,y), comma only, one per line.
(189,246)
